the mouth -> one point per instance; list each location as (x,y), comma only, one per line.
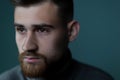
(32,59)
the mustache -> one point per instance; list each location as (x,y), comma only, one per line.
(31,54)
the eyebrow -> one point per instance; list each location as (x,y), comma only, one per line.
(18,25)
(43,25)
(35,25)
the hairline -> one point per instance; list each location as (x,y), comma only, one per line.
(59,13)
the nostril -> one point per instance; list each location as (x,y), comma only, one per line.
(31,51)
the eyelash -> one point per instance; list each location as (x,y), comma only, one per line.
(20,30)
(40,30)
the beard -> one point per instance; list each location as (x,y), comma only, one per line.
(31,69)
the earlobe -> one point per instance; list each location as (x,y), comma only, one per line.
(73,30)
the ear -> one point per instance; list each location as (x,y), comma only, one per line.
(73,29)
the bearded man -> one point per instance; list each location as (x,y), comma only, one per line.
(44,29)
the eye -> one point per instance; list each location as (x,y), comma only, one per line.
(42,29)
(20,29)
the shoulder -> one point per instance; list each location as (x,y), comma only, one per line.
(12,74)
(87,72)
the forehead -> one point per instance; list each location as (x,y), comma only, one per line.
(45,12)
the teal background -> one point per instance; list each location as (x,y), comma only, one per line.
(98,42)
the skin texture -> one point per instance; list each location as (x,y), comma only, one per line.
(39,31)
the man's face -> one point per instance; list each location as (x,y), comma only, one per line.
(41,38)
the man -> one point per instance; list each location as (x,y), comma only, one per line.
(44,29)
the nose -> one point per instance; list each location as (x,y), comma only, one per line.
(29,44)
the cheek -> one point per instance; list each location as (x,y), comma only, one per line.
(19,42)
(49,47)
(53,47)
(52,42)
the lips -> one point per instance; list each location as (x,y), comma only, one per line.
(32,59)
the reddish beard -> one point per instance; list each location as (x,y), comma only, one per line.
(33,70)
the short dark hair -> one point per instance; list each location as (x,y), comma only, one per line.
(65,7)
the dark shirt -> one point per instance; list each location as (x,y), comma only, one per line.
(75,71)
